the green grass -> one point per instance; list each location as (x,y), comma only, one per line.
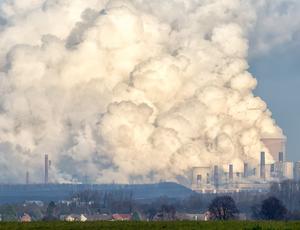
(153,225)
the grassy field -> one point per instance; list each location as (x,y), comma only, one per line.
(153,225)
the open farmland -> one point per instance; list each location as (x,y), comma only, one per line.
(153,225)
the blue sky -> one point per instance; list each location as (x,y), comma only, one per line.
(278,75)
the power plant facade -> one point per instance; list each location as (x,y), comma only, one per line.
(253,177)
(234,178)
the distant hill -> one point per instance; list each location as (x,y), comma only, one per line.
(55,192)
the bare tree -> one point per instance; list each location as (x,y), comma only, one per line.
(223,208)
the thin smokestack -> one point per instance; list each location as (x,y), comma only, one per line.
(46,168)
(262,165)
(230,172)
(245,169)
(280,156)
(216,176)
(27,177)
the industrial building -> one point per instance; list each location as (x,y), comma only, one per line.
(230,178)
(220,179)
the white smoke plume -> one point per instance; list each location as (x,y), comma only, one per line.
(117,90)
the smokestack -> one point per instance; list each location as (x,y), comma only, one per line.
(216,176)
(46,168)
(262,165)
(272,170)
(245,169)
(27,177)
(230,172)
(280,156)
(199,178)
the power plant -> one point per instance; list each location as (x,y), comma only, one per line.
(234,178)
(253,177)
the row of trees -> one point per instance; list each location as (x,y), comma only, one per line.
(88,202)
(224,208)
(256,205)
(220,208)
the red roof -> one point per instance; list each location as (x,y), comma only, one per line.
(121,216)
(25,218)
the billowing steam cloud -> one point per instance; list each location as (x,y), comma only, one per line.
(127,90)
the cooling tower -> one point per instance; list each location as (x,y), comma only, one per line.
(276,147)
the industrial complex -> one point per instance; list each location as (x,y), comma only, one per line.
(258,177)
(228,179)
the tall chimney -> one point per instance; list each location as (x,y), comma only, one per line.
(280,156)
(46,168)
(245,169)
(216,176)
(230,172)
(262,165)
(27,177)
(199,178)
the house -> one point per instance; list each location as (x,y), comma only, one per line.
(194,216)
(65,202)
(25,218)
(82,218)
(97,217)
(121,216)
(188,216)
(74,217)
(69,218)
(207,216)
(158,216)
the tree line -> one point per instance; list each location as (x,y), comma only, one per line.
(281,202)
